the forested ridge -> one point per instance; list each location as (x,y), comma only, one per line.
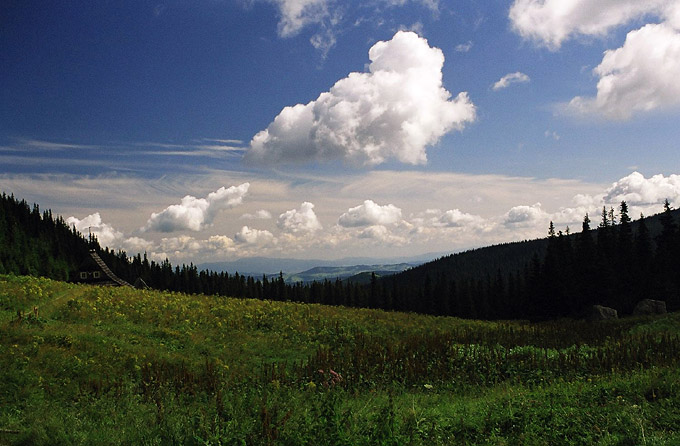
(616,264)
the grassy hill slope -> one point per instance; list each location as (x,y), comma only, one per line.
(90,365)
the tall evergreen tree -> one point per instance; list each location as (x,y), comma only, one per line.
(624,261)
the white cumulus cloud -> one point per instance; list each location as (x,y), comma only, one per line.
(636,190)
(454,218)
(393,111)
(525,216)
(181,245)
(370,213)
(551,22)
(105,233)
(510,78)
(642,75)
(639,76)
(251,236)
(134,245)
(193,213)
(302,221)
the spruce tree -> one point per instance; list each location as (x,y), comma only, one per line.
(624,261)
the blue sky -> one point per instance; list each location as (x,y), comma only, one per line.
(172,127)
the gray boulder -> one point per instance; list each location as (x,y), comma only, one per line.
(650,306)
(602,313)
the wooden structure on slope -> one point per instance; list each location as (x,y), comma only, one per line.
(95,272)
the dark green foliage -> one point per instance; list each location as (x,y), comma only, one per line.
(615,265)
(37,244)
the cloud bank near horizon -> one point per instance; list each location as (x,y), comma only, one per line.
(299,230)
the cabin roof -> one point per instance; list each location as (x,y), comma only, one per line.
(95,261)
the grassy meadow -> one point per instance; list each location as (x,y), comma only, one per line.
(92,365)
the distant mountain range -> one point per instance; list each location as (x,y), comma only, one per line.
(354,273)
(315,269)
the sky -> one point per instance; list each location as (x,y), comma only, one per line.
(211,130)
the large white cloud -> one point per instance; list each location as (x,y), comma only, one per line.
(394,111)
(105,233)
(370,213)
(639,76)
(551,22)
(642,75)
(302,221)
(193,213)
(637,190)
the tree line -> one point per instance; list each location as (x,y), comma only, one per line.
(612,265)
(616,264)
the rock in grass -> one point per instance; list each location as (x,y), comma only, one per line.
(650,306)
(602,313)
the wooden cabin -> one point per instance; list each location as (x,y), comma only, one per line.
(94,271)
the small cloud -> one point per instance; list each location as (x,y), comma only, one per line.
(416,27)
(137,245)
(302,221)
(323,41)
(186,247)
(195,214)
(553,135)
(105,233)
(456,219)
(219,243)
(258,215)
(370,213)
(224,141)
(464,47)
(525,216)
(510,78)
(250,236)
(50,145)
(296,14)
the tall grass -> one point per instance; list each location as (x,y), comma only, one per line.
(89,365)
